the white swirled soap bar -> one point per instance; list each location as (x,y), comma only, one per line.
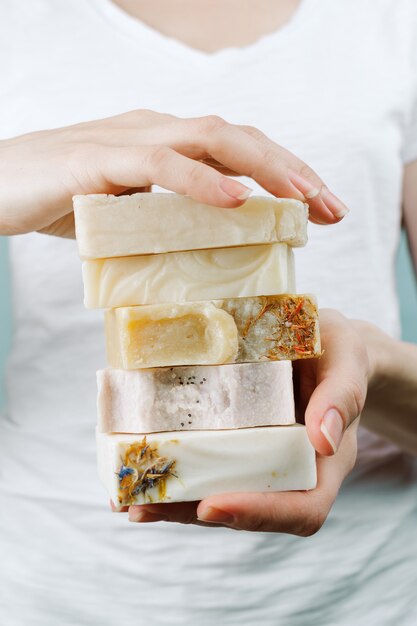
(189,276)
(195,397)
(181,466)
(147,223)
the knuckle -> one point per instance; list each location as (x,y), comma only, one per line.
(312,524)
(148,116)
(357,397)
(84,163)
(74,135)
(187,519)
(195,174)
(156,157)
(311,514)
(271,156)
(212,123)
(307,172)
(136,115)
(143,113)
(252,131)
(253,524)
(333,320)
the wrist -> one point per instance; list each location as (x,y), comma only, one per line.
(379,347)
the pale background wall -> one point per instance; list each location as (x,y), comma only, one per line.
(406,282)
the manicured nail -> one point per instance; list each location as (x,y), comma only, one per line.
(333,203)
(211,514)
(303,185)
(234,189)
(139,515)
(332,428)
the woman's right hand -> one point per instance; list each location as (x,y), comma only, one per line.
(41,171)
(330,394)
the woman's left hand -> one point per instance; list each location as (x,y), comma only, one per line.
(330,394)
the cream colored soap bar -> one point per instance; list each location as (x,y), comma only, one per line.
(236,330)
(146,223)
(195,397)
(180,466)
(189,276)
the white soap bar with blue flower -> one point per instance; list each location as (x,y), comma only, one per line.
(192,465)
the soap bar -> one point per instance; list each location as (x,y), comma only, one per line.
(180,466)
(189,276)
(236,330)
(146,223)
(170,334)
(197,397)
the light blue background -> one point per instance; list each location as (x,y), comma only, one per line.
(406,282)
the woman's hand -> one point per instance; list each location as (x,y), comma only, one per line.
(391,403)
(331,393)
(41,171)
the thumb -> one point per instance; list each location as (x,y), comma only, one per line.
(341,379)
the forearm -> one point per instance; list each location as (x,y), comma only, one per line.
(391,403)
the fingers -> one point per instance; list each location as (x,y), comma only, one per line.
(297,513)
(142,166)
(251,153)
(62,227)
(231,149)
(341,383)
(141,148)
(304,178)
(182,512)
(179,512)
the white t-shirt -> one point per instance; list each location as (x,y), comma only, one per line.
(338,86)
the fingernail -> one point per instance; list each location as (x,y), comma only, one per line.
(333,203)
(211,514)
(234,189)
(303,185)
(138,515)
(332,428)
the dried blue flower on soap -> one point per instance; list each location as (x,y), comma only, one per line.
(142,468)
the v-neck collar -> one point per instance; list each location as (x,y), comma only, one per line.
(138,29)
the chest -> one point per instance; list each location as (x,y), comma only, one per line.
(205,25)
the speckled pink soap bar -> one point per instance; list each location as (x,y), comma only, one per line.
(195,397)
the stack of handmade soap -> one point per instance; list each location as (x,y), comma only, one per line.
(200,334)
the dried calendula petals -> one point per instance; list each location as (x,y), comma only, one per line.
(274,328)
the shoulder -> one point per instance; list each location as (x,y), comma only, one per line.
(384,17)
(390,27)
(396,21)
